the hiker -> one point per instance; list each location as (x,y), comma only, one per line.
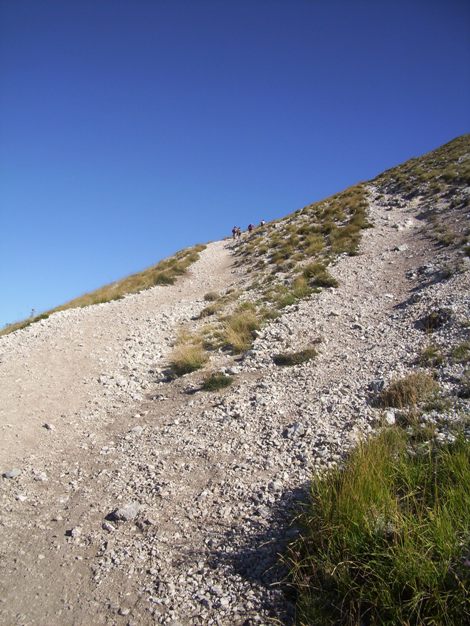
(250,228)
(234,232)
(239,232)
(262,223)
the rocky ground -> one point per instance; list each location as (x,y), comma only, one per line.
(131,500)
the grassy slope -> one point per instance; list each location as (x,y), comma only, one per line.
(386,538)
(432,173)
(284,261)
(441,177)
(287,260)
(163,273)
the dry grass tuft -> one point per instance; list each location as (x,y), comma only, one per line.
(240,328)
(211,309)
(408,391)
(187,358)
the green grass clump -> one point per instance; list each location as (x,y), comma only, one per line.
(408,391)
(294,358)
(461,352)
(187,358)
(217,381)
(285,295)
(431,356)
(385,539)
(318,275)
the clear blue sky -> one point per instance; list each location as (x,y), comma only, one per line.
(132,128)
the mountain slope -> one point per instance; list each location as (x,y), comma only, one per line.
(207,482)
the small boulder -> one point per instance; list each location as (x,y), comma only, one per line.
(125,513)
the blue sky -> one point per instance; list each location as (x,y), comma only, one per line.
(132,128)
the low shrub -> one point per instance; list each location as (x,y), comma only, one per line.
(384,540)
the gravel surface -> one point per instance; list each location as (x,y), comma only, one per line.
(81,364)
(136,501)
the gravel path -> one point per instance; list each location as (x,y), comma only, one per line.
(172,506)
(87,362)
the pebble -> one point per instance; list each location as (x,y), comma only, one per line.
(13,473)
(137,430)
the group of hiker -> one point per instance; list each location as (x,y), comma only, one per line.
(237,231)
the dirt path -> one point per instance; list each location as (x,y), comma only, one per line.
(207,481)
(81,364)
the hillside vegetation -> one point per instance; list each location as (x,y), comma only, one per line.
(163,273)
(440,181)
(284,261)
(287,260)
(385,536)
(446,168)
